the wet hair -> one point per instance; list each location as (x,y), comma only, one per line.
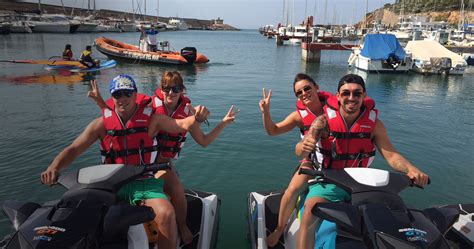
(88,47)
(351,78)
(170,77)
(68,46)
(302,76)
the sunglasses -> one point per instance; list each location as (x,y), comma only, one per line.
(119,94)
(356,94)
(175,89)
(304,89)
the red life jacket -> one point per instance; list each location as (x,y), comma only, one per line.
(170,144)
(306,115)
(128,143)
(348,147)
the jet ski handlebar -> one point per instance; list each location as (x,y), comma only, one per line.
(157,167)
(311,172)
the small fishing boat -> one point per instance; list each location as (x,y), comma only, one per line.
(126,52)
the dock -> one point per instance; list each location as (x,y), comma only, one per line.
(312,51)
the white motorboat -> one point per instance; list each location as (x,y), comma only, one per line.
(380,53)
(433,58)
(178,23)
(50,24)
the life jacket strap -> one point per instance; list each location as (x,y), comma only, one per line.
(167,137)
(124,153)
(128,131)
(339,157)
(350,135)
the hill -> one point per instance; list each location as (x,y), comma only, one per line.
(436,10)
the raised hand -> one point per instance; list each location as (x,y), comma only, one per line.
(94,92)
(200,112)
(265,102)
(230,116)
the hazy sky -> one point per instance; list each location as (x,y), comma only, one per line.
(241,13)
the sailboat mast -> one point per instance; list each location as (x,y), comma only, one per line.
(461,17)
(39,6)
(157,10)
(325,11)
(315,15)
(366,12)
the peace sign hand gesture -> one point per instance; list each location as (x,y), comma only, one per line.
(230,116)
(265,102)
(94,94)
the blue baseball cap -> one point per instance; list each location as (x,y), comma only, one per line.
(122,82)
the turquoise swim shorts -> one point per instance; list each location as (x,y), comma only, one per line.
(328,191)
(140,190)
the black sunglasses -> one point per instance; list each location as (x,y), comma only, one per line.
(304,89)
(175,89)
(356,94)
(119,94)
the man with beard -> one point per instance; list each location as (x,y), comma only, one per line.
(348,134)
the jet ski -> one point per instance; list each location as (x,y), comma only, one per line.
(88,215)
(376,216)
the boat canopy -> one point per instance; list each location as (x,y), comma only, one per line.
(426,49)
(381,47)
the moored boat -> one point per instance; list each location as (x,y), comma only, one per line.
(126,52)
(380,53)
(433,58)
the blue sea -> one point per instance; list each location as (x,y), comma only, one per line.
(430,119)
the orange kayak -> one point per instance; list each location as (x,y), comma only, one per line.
(127,52)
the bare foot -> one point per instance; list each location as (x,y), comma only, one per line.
(274,237)
(186,235)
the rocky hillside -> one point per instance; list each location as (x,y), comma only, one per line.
(436,10)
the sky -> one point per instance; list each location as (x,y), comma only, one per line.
(243,14)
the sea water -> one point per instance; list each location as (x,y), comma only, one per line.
(428,118)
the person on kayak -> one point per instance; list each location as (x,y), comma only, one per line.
(86,58)
(67,53)
(346,135)
(117,131)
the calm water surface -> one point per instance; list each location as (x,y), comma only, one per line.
(429,118)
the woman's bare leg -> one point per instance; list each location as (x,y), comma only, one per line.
(297,185)
(175,190)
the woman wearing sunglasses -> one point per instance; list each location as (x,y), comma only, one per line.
(169,99)
(309,105)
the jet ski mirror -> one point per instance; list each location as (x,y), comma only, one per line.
(343,214)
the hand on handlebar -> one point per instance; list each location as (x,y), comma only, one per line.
(49,177)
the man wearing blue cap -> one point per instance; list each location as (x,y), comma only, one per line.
(126,134)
